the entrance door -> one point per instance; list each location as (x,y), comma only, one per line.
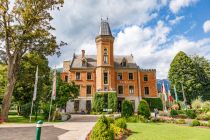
(119,106)
(88,106)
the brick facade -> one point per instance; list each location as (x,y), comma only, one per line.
(108,73)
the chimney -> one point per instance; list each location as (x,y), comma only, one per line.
(83,53)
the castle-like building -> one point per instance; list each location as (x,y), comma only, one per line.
(106,72)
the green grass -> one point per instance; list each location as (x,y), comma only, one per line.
(163,131)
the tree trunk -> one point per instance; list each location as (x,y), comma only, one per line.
(11,78)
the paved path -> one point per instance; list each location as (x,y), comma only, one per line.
(75,129)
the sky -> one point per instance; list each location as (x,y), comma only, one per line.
(153,31)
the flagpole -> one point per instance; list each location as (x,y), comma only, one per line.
(35,92)
(50,110)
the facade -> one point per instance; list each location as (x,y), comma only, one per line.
(106,72)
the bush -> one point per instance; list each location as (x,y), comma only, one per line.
(154,103)
(143,109)
(127,109)
(112,101)
(195,123)
(25,110)
(46,110)
(209,123)
(206,106)
(173,113)
(121,123)
(191,114)
(132,119)
(117,130)
(197,103)
(98,103)
(102,130)
(111,120)
(182,116)
(180,121)
(203,116)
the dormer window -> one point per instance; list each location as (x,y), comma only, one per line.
(123,64)
(105,56)
(84,64)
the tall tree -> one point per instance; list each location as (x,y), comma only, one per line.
(183,72)
(25,27)
(24,86)
(202,66)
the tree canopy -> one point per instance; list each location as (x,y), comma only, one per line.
(186,71)
(25,26)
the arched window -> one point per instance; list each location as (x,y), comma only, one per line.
(105,56)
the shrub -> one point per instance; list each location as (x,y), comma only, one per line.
(203,116)
(206,105)
(112,101)
(173,113)
(143,119)
(117,130)
(209,123)
(46,110)
(102,130)
(132,119)
(111,120)
(154,103)
(181,111)
(191,114)
(175,107)
(121,123)
(180,121)
(127,109)
(98,103)
(143,109)
(182,116)
(195,123)
(25,110)
(197,103)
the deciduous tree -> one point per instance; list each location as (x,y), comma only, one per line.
(25,27)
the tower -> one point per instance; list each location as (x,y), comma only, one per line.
(105,75)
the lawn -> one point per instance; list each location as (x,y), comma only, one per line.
(163,131)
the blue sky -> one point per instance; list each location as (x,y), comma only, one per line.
(152,30)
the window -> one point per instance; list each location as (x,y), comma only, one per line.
(76,105)
(120,89)
(88,75)
(88,89)
(146,90)
(77,75)
(130,76)
(83,63)
(66,78)
(131,89)
(123,64)
(145,78)
(105,56)
(105,78)
(119,76)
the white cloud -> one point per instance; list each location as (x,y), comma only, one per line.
(77,23)
(176,5)
(206,26)
(152,49)
(176,20)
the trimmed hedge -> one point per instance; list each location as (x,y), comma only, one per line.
(102,130)
(154,103)
(143,109)
(121,123)
(127,109)
(112,101)
(104,100)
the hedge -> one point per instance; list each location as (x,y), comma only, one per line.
(104,100)
(154,103)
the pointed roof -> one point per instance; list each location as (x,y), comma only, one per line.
(104,28)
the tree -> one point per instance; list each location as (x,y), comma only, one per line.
(3,70)
(203,72)
(24,86)
(112,101)
(183,72)
(25,27)
(65,92)
(127,109)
